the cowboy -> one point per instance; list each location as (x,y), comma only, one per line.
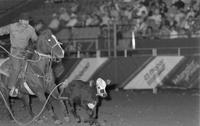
(20,34)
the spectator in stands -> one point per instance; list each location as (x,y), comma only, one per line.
(187,24)
(39,26)
(179,17)
(64,17)
(163,8)
(196,33)
(171,12)
(151,23)
(96,20)
(149,34)
(55,23)
(58,1)
(48,1)
(173,32)
(106,20)
(88,20)
(103,7)
(195,4)
(190,13)
(73,21)
(74,8)
(153,5)
(114,13)
(156,17)
(147,3)
(141,9)
(141,27)
(164,32)
(179,4)
(182,33)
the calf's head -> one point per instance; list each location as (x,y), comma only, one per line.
(101,87)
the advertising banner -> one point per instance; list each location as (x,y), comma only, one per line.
(186,74)
(154,72)
(86,68)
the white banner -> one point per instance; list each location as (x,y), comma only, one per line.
(154,72)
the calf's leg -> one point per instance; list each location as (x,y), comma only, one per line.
(73,111)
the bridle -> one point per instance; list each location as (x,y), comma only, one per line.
(56,44)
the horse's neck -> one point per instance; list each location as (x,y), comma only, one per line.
(40,63)
(41,46)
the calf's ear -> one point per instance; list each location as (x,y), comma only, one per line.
(108,82)
(91,83)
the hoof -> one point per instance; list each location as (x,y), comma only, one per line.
(58,122)
(97,124)
(12,121)
(78,120)
(11,118)
(44,117)
(66,118)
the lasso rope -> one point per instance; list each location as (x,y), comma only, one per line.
(26,124)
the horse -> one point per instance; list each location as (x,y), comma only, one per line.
(37,76)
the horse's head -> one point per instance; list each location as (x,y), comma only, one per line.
(48,44)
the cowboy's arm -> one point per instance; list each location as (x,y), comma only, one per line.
(34,36)
(5,30)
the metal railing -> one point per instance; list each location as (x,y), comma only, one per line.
(107,46)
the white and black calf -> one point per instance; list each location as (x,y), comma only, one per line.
(86,95)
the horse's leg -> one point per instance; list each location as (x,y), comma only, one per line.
(63,105)
(66,111)
(27,103)
(42,99)
(52,112)
(6,98)
(49,106)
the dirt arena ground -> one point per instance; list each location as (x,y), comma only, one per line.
(128,108)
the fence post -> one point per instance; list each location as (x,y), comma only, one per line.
(125,53)
(98,53)
(109,42)
(154,52)
(179,51)
(97,48)
(78,54)
(115,39)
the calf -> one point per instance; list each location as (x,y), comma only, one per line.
(85,95)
